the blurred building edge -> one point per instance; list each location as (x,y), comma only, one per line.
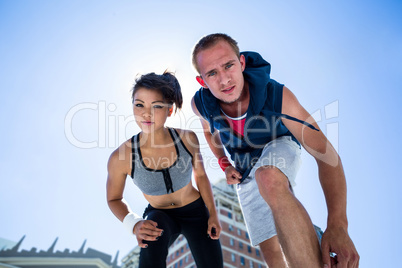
(11,257)
(236,248)
(132,259)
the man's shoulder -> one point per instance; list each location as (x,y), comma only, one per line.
(198,95)
(203,100)
(274,83)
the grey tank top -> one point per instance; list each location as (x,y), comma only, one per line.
(162,181)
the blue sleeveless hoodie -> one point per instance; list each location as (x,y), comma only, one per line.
(263,122)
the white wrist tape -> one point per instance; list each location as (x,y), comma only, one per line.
(130,220)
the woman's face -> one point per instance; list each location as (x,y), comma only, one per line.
(150,109)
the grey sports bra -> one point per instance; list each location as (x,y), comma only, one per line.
(161,181)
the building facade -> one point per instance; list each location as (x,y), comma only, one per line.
(236,248)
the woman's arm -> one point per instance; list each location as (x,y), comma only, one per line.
(203,184)
(117,173)
(115,185)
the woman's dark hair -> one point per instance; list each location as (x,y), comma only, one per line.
(166,83)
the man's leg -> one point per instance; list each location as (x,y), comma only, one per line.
(260,223)
(295,230)
(272,252)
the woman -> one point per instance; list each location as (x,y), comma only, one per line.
(160,161)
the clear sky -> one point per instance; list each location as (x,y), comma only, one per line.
(67,67)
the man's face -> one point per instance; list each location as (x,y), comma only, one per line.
(222,71)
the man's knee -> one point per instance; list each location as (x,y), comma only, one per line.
(271,180)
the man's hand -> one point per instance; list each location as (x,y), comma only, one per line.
(214,227)
(232,175)
(146,230)
(337,240)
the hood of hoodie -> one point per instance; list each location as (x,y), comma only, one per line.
(257,74)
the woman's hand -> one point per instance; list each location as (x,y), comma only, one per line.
(146,230)
(214,227)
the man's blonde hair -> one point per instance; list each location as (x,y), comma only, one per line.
(211,40)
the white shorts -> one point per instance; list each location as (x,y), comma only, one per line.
(284,154)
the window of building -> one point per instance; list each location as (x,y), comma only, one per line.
(187,259)
(231,241)
(251,264)
(230,227)
(257,252)
(240,245)
(181,262)
(249,249)
(233,257)
(230,215)
(238,231)
(177,253)
(242,261)
(247,235)
(182,249)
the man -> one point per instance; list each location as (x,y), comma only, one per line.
(262,126)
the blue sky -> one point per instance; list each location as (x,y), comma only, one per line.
(67,68)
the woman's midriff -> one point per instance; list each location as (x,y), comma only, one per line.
(180,198)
